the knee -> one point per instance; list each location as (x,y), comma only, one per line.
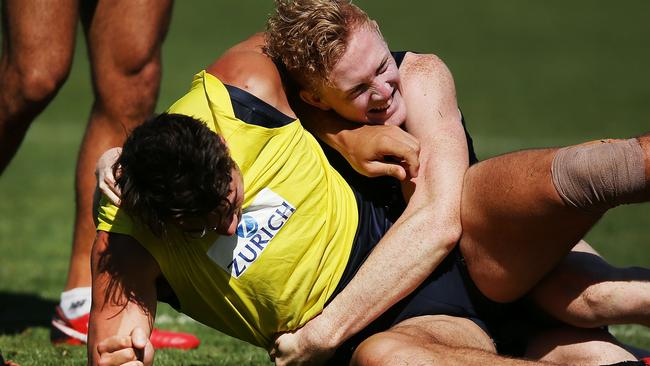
(142,63)
(586,292)
(599,304)
(394,348)
(615,301)
(127,86)
(586,310)
(39,81)
(379,349)
(586,297)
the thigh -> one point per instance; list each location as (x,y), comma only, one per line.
(515,226)
(446,330)
(39,32)
(422,340)
(125,39)
(125,29)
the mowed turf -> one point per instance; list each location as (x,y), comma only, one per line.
(528,74)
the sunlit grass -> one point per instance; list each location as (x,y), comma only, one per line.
(528,74)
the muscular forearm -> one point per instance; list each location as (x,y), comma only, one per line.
(430,225)
(409,252)
(419,240)
(393,270)
(124,299)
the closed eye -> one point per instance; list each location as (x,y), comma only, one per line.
(383,66)
(357,90)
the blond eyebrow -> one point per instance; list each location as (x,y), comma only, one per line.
(381,66)
(353,90)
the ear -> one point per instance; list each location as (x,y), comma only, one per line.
(314,100)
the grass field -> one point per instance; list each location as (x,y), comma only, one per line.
(528,74)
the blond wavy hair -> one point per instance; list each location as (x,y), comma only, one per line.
(308,37)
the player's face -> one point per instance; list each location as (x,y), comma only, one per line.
(365,83)
(223,220)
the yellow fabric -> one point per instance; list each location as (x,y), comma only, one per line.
(296,270)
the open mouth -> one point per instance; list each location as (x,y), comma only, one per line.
(385,107)
(379,110)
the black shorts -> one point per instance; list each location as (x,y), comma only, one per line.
(449,290)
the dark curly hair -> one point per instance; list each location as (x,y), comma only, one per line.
(172,167)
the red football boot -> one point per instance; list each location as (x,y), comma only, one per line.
(75,332)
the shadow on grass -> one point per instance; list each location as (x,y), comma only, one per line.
(19,311)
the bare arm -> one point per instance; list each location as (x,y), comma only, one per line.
(434,119)
(372,150)
(430,225)
(124,301)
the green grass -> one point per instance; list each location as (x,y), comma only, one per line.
(528,74)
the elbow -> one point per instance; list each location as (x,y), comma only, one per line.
(448,230)
(451,233)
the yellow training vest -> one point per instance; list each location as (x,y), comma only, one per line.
(293,241)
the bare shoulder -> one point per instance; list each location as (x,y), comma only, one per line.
(247,67)
(429,93)
(425,68)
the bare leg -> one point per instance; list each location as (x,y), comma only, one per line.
(37,46)
(574,346)
(432,340)
(585,291)
(124,41)
(516,228)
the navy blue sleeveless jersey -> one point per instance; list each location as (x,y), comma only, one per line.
(447,291)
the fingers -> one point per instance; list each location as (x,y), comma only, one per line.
(378,169)
(109,189)
(114,343)
(139,338)
(106,177)
(410,158)
(107,185)
(404,148)
(133,349)
(122,357)
(273,351)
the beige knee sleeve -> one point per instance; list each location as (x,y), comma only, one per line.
(600,175)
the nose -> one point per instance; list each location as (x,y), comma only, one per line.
(230,226)
(382,91)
